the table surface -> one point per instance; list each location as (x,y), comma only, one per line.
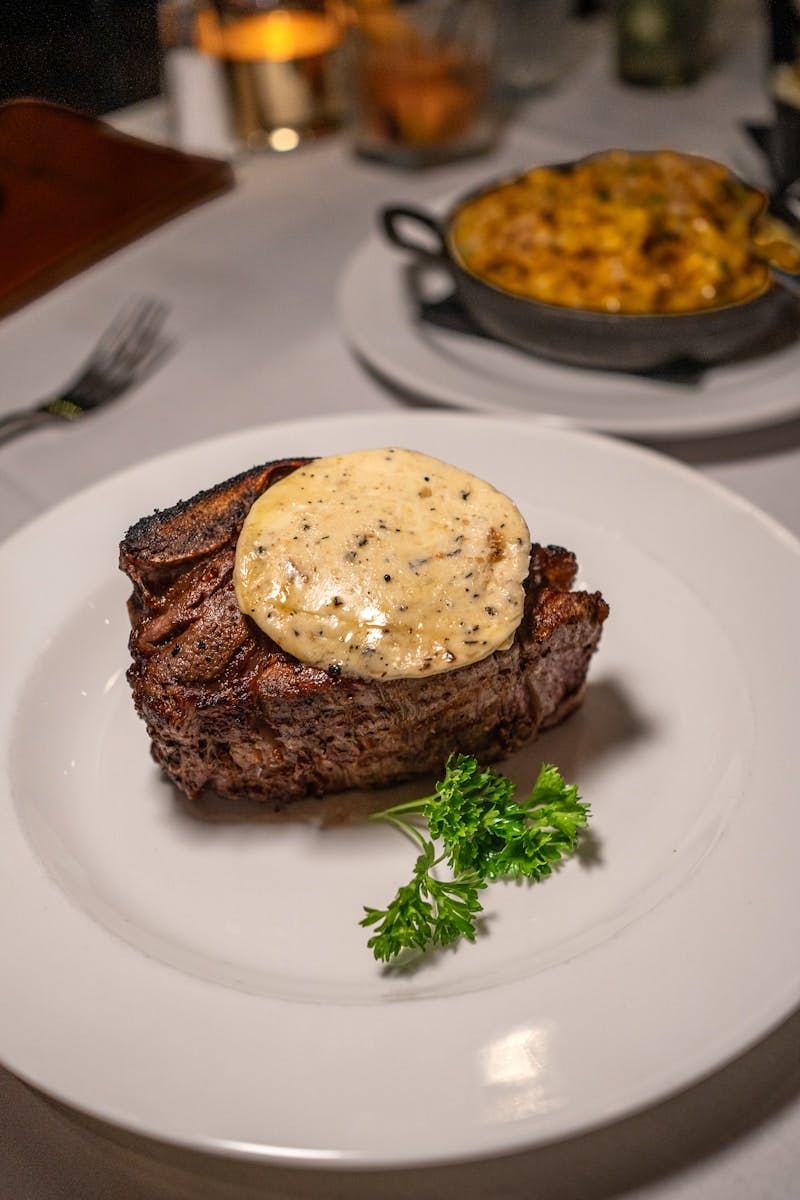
(249,350)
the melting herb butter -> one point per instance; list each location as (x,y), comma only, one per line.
(383,564)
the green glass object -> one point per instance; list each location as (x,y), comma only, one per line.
(662,43)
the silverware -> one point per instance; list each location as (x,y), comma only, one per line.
(128,350)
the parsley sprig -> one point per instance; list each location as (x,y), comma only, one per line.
(485,834)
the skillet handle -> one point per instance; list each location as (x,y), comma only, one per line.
(391,218)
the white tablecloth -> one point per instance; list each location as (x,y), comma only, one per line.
(251,280)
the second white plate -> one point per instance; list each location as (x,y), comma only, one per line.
(377,313)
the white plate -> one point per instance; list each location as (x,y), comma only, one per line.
(378,318)
(210,984)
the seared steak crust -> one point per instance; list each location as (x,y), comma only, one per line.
(227,709)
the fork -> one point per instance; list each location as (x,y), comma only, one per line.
(124,354)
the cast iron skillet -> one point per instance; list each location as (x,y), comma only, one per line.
(582,337)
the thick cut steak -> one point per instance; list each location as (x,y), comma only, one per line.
(227,709)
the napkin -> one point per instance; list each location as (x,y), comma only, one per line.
(73,190)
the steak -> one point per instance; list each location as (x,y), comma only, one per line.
(227,709)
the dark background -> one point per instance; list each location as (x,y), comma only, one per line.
(95,55)
(98,55)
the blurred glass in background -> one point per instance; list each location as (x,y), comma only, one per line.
(422,75)
(257,74)
(662,43)
(531,44)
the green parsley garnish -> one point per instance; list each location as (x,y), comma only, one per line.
(484,834)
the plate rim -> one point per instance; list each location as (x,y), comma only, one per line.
(372,255)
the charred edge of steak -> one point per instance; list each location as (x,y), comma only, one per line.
(158,546)
(227,709)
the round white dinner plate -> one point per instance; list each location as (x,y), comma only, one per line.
(378,316)
(209,983)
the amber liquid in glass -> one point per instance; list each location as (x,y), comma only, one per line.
(281,72)
(421,101)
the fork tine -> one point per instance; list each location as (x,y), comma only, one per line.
(130,346)
(96,386)
(127,362)
(138,319)
(116,358)
(138,342)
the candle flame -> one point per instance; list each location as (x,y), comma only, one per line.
(279,36)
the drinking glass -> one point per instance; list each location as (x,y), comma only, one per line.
(662,43)
(282,67)
(422,79)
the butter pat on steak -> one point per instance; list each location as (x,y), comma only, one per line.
(228,710)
